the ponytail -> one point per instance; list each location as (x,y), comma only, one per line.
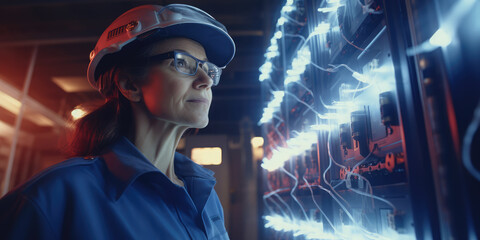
(97,130)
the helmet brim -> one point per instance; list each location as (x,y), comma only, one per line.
(219,47)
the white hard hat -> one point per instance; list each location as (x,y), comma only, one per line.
(153,21)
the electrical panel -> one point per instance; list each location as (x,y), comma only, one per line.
(335,164)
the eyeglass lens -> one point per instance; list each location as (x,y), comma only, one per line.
(188,65)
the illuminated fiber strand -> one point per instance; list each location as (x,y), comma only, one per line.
(309,229)
(314,230)
(299,64)
(295,147)
(272,106)
(447,32)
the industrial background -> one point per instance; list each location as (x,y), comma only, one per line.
(337,119)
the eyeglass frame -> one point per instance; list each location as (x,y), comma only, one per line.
(173,54)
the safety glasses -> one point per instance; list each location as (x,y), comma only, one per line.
(188,64)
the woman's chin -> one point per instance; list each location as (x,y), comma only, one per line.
(201,123)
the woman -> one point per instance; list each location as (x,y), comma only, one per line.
(155,66)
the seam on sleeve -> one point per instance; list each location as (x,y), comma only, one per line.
(42,213)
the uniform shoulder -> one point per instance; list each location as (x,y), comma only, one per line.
(59,176)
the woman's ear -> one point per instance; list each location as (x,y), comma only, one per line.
(128,88)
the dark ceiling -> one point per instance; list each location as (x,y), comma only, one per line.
(66,31)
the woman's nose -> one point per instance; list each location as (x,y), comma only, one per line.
(202,80)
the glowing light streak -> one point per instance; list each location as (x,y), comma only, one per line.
(328,9)
(309,229)
(321,127)
(267,66)
(290,79)
(473,127)
(321,28)
(360,77)
(265,74)
(342,114)
(387,68)
(270,55)
(295,147)
(265,70)
(281,21)
(272,51)
(332,6)
(328,116)
(314,230)
(272,107)
(343,105)
(445,34)
(263,77)
(278,35)
(441,38)
(355,90)
(273,48)
(299,64)
(288,8)
(343,117)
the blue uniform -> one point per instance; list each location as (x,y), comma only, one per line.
(119,195)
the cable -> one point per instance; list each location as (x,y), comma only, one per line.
(467,143)
(273,86)
(376,197)
(335,67)
(282,138)
(340,183)
(325,105)
(349,173)
(323,69)
(265,202)
(358,89)
(338,202)
(345,168)
(366,8)
(279,198)
(325,172)
(302,102)
(293,190)
(295,35)
(293,20)
(357,47)
(305,87)
(316,204)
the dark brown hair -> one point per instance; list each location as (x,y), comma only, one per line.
(97,130)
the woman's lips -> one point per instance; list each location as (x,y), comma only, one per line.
(198,100)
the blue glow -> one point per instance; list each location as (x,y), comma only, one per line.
(321,28)
(299,64)
(295,147)
(272,107)
(441,38)
(314,230)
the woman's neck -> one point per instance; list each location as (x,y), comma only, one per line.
(157,139)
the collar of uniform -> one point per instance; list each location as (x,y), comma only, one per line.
(127,163)
(185,167)
(198,180)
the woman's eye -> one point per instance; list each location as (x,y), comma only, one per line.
(181,63)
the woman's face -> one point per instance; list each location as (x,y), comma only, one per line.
(175,97)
